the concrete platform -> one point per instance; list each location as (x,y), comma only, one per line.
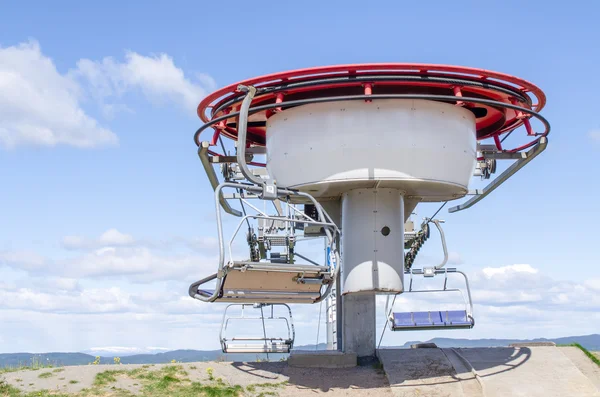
(420,372)
(583,363)
(321,359)
(490,372)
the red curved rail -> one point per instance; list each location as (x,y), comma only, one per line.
(321,82)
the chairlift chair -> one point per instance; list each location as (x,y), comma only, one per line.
(263,343)
(275,277)
(438,319)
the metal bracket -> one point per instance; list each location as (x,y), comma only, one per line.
(269,190)
(510,171)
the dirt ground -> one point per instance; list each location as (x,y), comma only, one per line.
(358,381)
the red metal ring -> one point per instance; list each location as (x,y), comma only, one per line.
(499,122)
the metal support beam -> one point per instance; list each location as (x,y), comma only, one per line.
(510,171)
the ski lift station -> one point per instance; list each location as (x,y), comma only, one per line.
(349,152)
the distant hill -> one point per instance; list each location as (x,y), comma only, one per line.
(184,356)
(590,342)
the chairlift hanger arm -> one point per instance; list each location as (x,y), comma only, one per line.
(212,177)
(243,128)
(539,147)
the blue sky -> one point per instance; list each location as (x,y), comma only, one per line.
(106,214)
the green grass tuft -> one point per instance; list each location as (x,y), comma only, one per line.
(106,377)
(169,380)
(45,375)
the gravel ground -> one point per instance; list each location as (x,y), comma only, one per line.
(358,381)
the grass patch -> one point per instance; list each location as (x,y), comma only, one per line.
(193,367)
(585,351)
(255,387)
(8,391)
(106,377)
(58,370)
(45,375)
(168,380)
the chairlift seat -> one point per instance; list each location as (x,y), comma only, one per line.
(449,319)
(278,343)
(254,345)
(250,282)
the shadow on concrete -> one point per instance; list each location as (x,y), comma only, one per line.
(404,367)
(437,369)
(500,359)
(324,379)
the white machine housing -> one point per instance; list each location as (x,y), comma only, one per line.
(427,149)
(374,155)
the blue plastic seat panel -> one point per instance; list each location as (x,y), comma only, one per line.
(458,317)
(422,318)
(403,319)
(434,319)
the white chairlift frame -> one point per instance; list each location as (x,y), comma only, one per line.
(430,272)
(262,344)
(289,283)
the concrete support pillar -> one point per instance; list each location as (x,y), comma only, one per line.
(359,324)
(372,261)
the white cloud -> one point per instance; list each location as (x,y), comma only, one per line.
(52,284)
(594,135)
(156,76)
(115,238)
(592,284)
(525,284)
(25,260)
(136,264)
(111,237)
(41,106)
(490,272)
(119,255)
